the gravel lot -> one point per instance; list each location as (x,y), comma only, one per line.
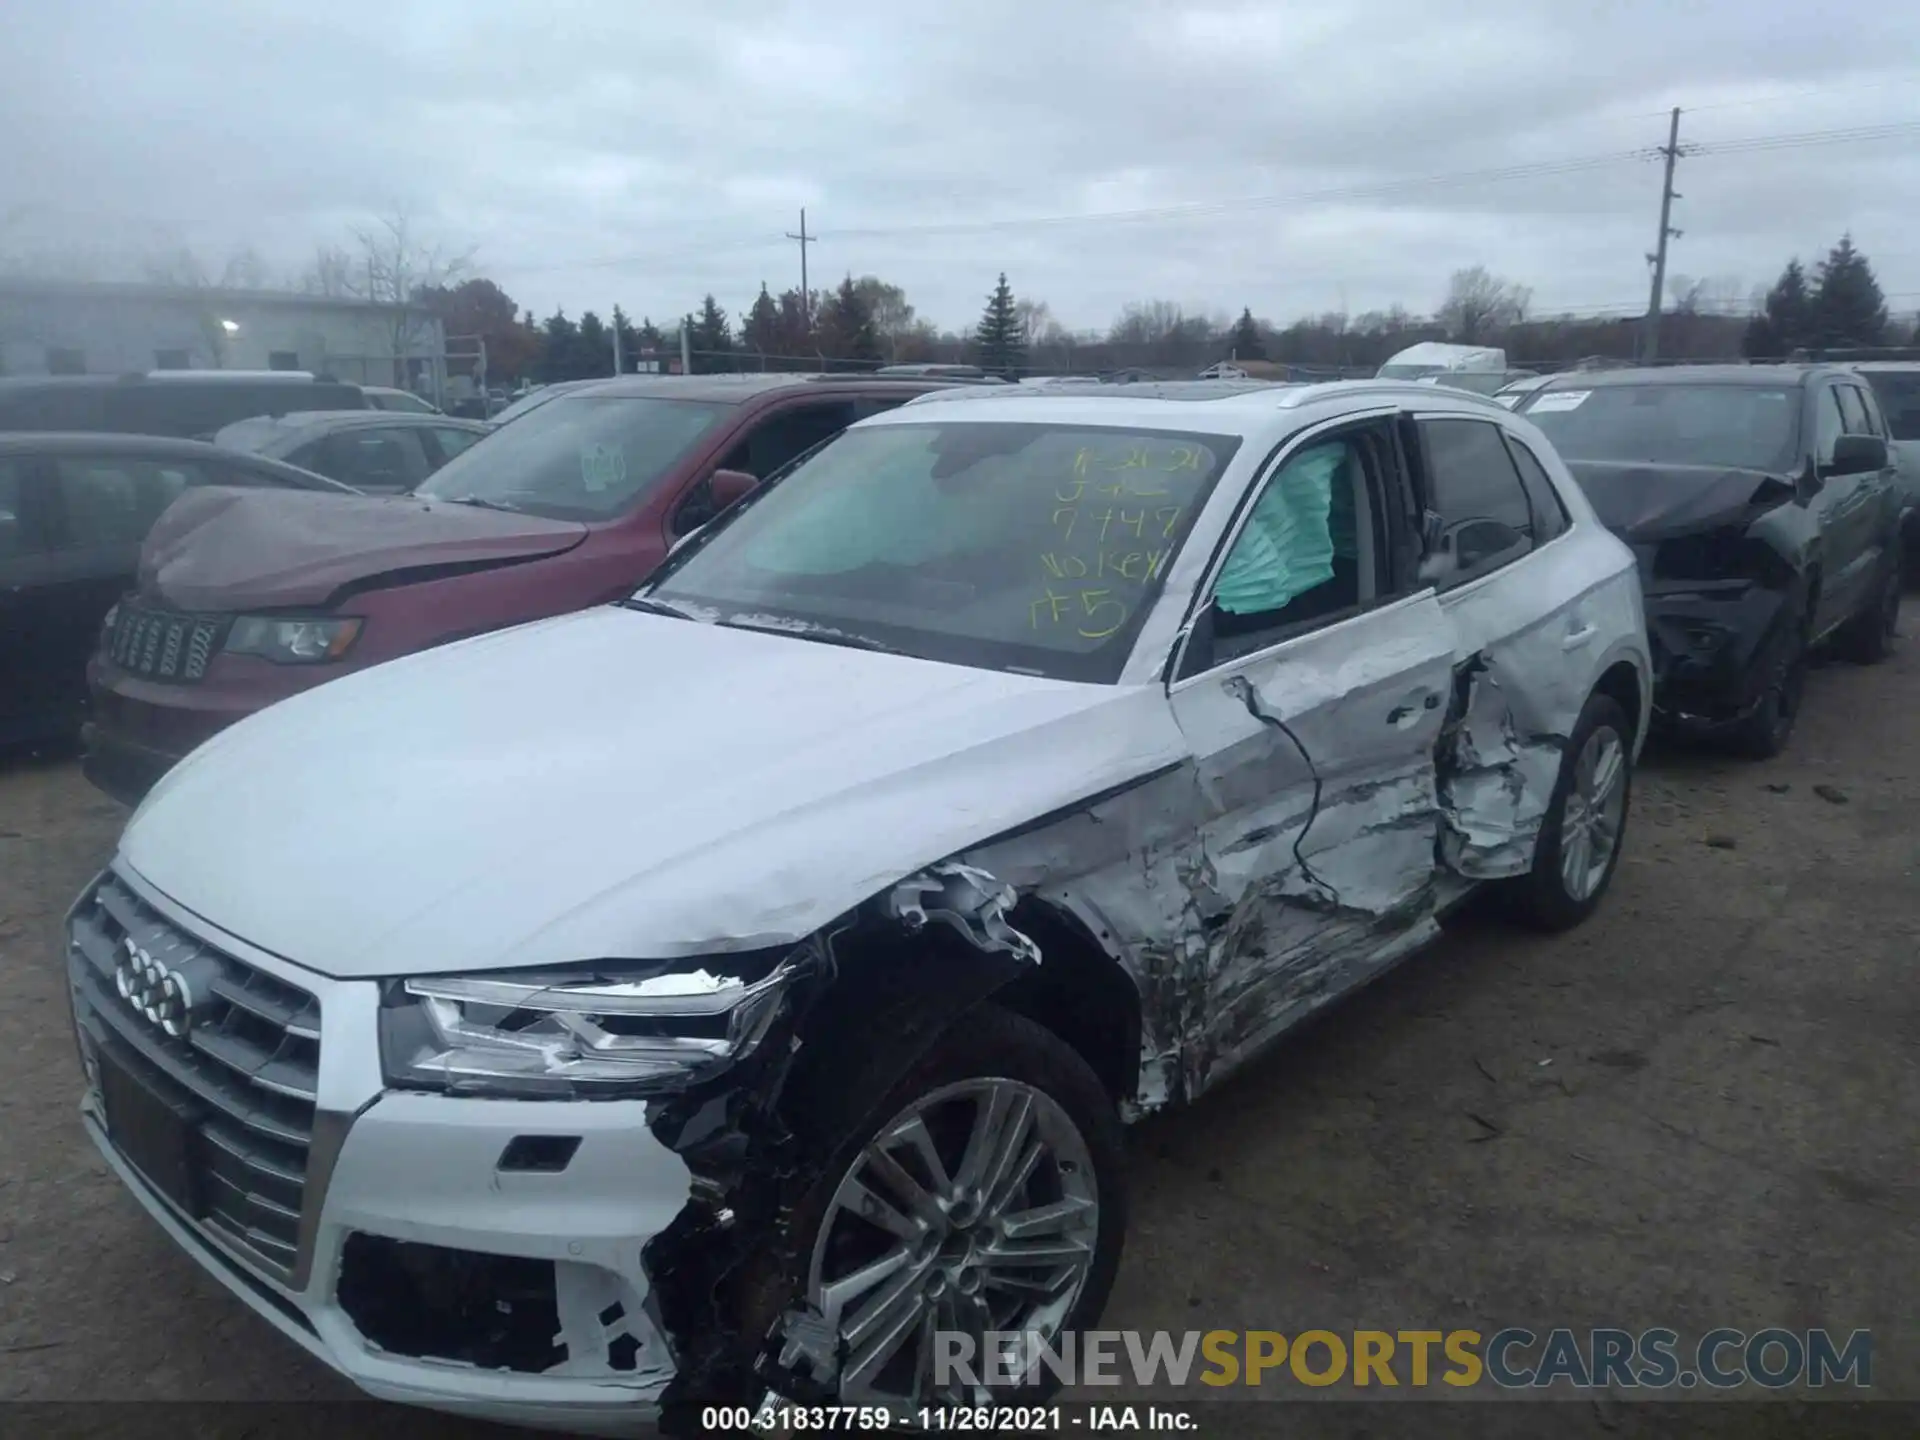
(1702,1109)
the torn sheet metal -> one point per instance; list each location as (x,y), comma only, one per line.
(965,899)
(1495,781)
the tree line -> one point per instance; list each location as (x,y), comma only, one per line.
(866,321)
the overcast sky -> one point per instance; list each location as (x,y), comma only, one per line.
(644,152)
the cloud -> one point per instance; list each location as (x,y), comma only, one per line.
(599,152)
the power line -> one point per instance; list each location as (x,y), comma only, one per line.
(1650,341)
(806,295)
(1543,169)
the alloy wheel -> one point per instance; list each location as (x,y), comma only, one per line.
(1591,819)
(974,1209)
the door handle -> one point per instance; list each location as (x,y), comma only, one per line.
(1401,714)
(1576,638)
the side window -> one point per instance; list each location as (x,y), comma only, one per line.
(376,458)
(789,434)
(111,501)
(452,442)
(1876,419)
(777,440)
(1549,515)
(1853,412)
(1828,424)
(16,539)
(1308,552)
(1485,521)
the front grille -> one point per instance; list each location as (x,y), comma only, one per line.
(162,645)
(245,1075)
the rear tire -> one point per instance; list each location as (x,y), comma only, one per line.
(1868,638)
(1578,850)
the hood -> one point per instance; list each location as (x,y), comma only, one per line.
(612,784)
(219,549)
(1642,501)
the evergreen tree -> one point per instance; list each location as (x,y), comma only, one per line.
(1785,320)
(1848,308)
(629,340)
(560,339)
(998,341)
(796,337)
(760,330)
(1246,341)
(593,349)
(712,338)
(846,329)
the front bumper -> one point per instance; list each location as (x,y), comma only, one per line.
(410,1217)
(122,769)
(1709,654)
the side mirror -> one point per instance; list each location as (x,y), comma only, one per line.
(1857,454)
(729,487)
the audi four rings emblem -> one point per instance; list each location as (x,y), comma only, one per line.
(157,992)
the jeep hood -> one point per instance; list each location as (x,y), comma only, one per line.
(230,549)
(1640,501)
(613,784)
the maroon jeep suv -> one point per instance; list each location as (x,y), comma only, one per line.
(243,598)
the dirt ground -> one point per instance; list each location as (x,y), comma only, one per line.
(1702,1109)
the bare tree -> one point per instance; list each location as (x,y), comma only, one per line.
(330,274)
(889,309)
(1481,307)
(1036,320)
(395,264)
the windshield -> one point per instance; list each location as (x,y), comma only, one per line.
(1899,394)
(1029,547)
(1749,427)
(579,457)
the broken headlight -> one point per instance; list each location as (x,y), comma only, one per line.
(595,1034)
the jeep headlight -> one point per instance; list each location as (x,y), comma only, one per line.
(603,1032)
(292,642)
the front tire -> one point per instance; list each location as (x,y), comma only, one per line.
(1586,821)
(1765,732)
(986,1191)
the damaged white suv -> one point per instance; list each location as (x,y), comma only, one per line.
(722,992)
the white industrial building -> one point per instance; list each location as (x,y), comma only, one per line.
(97,328)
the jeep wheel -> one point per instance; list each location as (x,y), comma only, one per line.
(1868,637)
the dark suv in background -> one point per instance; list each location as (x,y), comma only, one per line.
(1761,501)
(186,404)
(571,505)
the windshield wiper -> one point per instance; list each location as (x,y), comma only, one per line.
(654,607)
(481,502)
(821,636)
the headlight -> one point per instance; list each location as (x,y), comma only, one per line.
(608,1033)
(292,642)
(106,626)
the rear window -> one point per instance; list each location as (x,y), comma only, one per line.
(1748,427)
(1899,394)
(578,457)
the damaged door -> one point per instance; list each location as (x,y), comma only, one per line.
(1313,692)
(1525,614)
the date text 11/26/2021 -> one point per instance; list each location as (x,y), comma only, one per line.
(972,1419)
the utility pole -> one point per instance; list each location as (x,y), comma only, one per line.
(1650,340)
(619,361)
(806,295)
